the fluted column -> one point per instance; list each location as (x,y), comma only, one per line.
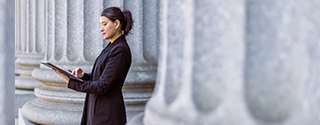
(17,26)
(18,19)
(282,62)
(69,47)
(73,40)
(32,41)
(143,42)
(253,62)
(19,23)
(201,64)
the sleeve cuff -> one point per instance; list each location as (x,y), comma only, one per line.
(72,83)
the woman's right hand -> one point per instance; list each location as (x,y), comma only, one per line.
(77,72)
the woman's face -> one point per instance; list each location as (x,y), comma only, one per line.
(107,28)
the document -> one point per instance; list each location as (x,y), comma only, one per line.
(46,63)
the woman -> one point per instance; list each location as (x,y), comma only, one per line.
(104,102)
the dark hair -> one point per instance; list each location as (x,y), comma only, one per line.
(125,18)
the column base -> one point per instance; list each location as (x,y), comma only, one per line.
(26,82)
(137,120)
(136,96)
(52,113)
(23,120)
(133,110)
(21,97)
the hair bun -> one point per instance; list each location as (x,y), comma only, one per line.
(128,21)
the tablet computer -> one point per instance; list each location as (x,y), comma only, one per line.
(50,65)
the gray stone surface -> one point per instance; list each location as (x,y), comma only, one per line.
(55,104)
(42,112)
(198,64)
(70,46)
(26,82)
(30,43)
(277,59)
(21,97)
(223,62)
(143,43)
(136,120)
(7,39)
(237,62)
(23,120)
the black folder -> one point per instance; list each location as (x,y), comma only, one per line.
(50,65)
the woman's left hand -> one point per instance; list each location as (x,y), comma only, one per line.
(64,77)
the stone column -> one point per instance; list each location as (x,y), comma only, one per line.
(7,61)
(201,64)
(17,26)
(250,62)
(29,48)
(19,31)
(143,42)
(283,62)
(18,18)
(73,40)
(33,41)
(68,49)
(277,59)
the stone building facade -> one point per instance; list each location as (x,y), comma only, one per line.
(237,62)
(66,33)
(224,62)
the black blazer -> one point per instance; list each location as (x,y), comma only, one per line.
(104,104)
